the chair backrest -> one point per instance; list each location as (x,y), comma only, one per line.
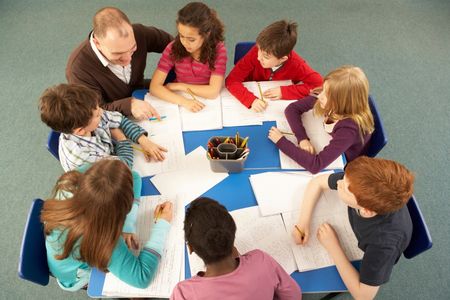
(379,137)
(421,238)
(53,143)
(33,264)
(241,49)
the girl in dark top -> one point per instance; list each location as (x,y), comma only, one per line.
(343,101)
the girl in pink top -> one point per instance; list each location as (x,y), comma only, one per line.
(209,231)
(197,55)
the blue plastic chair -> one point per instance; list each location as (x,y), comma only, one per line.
(33,264)
(379,137)
(421,238)
(241,49)
(53,143)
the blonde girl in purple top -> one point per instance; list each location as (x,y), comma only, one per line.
(209,231)
(197,55)
(343,100)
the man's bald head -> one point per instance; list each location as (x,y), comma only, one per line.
(110,18)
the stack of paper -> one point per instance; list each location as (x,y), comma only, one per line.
(192,181)
(171,267)
(318,137)
(166,133)
(234,113)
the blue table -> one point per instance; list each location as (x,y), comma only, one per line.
(263,157)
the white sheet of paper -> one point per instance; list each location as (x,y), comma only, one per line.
(285,197)
(170,266)
(191,181)
(234,113)
(317,135)
(257,232)
(210,117)
(312,255)
(265,233)
(166,133)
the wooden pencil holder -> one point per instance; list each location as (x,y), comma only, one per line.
(226,155)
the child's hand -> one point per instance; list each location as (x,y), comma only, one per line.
(164,211)
(275,135)
(327,237)
(193,105)
(142,110)
(131,240)
(259,105)
(152,151)
(307,146)
(273,93)
(300,233)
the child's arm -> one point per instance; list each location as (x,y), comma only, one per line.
(303,73)
(328,238)
(158,89)
(342,139)
(209,91)
(138,135)
(294,112)
(312,193)
(240,73)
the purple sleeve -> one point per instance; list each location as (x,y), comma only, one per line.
(294,112)
(342,138)
(286,287)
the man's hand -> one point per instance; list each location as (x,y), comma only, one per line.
(132,240)
(142,110)
(273,93)
(259,105)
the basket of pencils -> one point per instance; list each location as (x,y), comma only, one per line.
(227,153)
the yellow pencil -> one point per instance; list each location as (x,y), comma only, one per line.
(139,149)
(158,214)
(261,93)
(302,235)
(192,94)
(286,133)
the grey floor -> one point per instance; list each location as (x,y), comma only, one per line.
(403,46)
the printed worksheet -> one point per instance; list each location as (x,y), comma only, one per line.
(318,138)
(171,266)
(210,117)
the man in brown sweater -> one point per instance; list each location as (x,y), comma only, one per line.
(112,61)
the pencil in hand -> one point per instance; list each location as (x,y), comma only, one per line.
(261,93)
(158,214)
(286,133)
(192,94)
(302,234)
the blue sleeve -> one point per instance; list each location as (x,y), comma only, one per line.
(139,271)
(131,130)
(130,221)
(124,151)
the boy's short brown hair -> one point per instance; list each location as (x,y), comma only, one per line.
(381,185)
(278,38)
(65,107)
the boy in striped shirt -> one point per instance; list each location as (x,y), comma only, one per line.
(89,133)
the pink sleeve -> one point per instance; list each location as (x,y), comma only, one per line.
(177,294)
(220,66)
(286,287)
(165,63)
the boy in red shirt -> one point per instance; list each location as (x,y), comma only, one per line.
(273,58)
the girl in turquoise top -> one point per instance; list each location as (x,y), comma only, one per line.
(87,229)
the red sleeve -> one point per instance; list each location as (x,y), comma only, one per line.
(303,73)
(165,63)
(239,74)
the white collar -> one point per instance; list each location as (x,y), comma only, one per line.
(100,56)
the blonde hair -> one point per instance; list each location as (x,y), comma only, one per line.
(348,97)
